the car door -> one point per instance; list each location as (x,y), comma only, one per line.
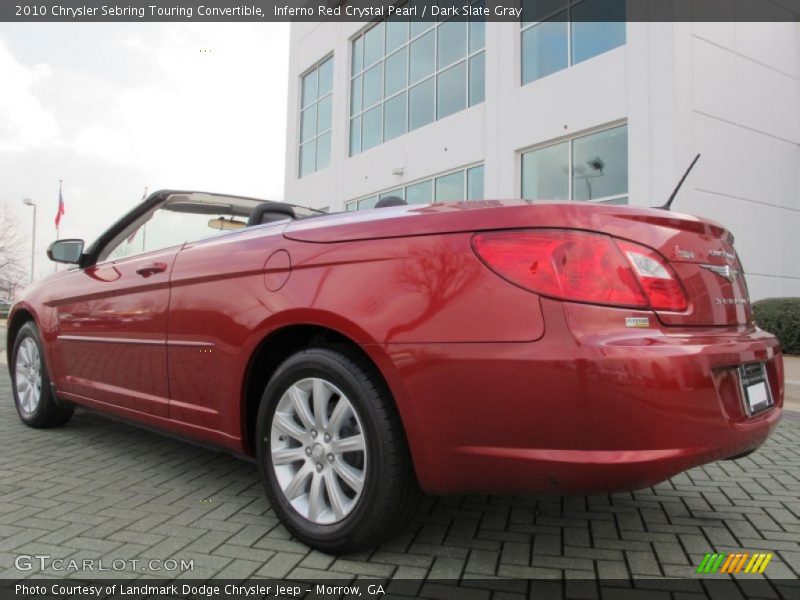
(111,332)
(111,343)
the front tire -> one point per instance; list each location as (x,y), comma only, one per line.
(33,396)
(332,454)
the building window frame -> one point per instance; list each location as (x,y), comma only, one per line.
(402,190)
(622,198)
(467,60)
(315,104)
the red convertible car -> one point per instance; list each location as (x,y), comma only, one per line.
(360,357)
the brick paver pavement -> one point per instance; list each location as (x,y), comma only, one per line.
(100,489)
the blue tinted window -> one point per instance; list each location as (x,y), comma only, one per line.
(545,173)
(590,35)
(451,90)
(394,117)
(544,50)
(437,67)
(477,85)
(591,167)
(452,43)
(600,164)
(420,193)
(372,127)
(423,61)
(420,105)
(451,187)
(396,72)
(560,33)
(315,118)
(475,183)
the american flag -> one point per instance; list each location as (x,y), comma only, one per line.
(61,210)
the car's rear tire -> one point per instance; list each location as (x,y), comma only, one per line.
(30,381)
(332,453)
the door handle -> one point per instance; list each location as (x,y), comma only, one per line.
(151,269)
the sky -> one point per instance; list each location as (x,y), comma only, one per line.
(113,108)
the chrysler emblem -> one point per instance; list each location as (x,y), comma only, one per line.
(724,271)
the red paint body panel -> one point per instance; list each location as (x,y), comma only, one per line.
(498,389)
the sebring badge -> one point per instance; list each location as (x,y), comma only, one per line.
(731,301)
(725,271)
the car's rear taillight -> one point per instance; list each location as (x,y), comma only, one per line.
(659,281)
(582,267)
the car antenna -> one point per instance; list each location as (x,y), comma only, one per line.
(680,183)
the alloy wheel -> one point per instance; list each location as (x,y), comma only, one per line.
(318,451)
(28,376)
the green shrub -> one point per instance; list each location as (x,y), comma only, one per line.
(781,317)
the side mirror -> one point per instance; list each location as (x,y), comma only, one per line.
(66,251)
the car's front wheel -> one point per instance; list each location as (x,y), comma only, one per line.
(36,405)
(332,452)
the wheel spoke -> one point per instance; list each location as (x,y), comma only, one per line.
(297,485)
(300,405)
(354,443)
(22,382)
(22,354)
(287,456)
(316,499)
(351,476)
(336,495)
(321,395)
(342,410)
(285,424)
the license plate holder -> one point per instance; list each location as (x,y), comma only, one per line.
(756,395)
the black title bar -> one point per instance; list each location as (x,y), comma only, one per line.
(371,10)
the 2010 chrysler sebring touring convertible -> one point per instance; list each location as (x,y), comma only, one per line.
(487,346)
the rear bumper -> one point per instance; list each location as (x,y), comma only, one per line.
(591,407)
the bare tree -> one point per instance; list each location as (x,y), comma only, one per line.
(12,249)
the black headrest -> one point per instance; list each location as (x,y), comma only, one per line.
(390,201)
(267,212)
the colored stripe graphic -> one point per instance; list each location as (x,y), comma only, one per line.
(717,564)
(726,566)
(734,563)
(752,563)
(741,562)
(701,568)
(765,563)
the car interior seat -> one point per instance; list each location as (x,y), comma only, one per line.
(390,201)
(267,212)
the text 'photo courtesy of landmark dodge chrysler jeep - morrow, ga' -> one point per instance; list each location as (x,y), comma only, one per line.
(362,357)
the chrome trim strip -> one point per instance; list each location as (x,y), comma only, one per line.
(190,344)
(110,340)
(143,342)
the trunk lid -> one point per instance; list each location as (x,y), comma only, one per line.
(702,254)
(700,251)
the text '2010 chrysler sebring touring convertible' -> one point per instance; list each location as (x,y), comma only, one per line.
(360,357)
